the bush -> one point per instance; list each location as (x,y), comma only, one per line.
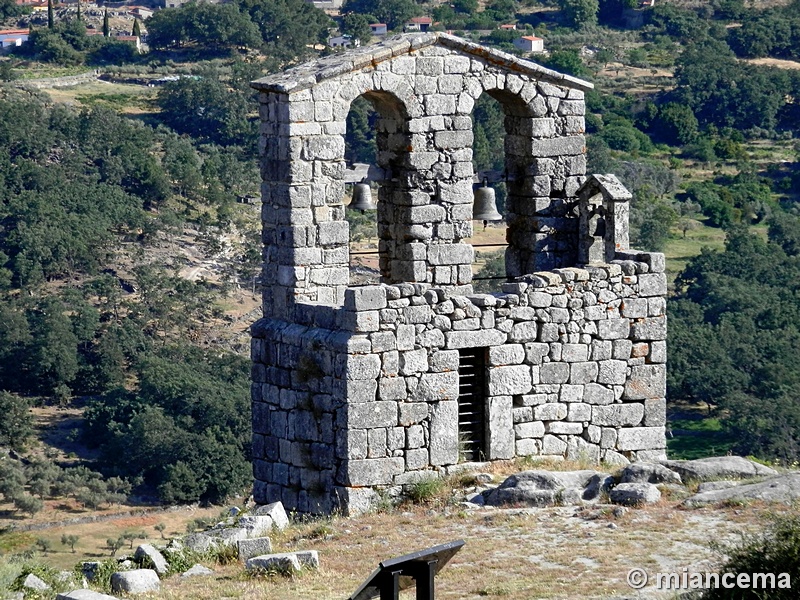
(776,551)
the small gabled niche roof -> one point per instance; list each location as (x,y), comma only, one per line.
(309,74)
(608,185)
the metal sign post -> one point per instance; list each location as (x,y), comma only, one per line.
(416,569)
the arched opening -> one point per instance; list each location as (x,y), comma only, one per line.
(361,158)
(376,142)
(499,167)
(488,161)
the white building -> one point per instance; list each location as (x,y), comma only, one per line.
(530,43)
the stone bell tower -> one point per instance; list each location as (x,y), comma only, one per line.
(358,389)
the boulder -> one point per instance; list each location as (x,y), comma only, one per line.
(254,547)
(199,542)
(647,472)
(545,488)
(227,535)
(196,570)
(634,494)
(286,562)
(718,467)
(138,581)
(89,569)
(148,553)
(282,563)
(84,595)
(783,488)
(256,525)
(276,512)
(32,582)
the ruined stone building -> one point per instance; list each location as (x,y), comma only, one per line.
(358,389)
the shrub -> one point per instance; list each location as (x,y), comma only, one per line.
(776,550)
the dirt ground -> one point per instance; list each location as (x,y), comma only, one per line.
(517,554)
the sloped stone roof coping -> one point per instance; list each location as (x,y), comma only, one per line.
(308,74)
(608,184)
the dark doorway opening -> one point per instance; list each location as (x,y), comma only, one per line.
(472,404)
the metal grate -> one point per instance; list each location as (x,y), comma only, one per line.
(472,403)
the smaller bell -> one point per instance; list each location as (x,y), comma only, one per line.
(362,197)
(484,207)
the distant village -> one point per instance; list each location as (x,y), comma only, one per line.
(123,16)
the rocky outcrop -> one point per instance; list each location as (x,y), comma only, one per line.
(545,488)
(718,467)
(782,488)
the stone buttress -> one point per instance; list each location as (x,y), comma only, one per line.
(358,389)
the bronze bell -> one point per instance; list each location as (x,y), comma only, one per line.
(484,207)
(362,197)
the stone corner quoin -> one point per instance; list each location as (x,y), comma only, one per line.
(358,388)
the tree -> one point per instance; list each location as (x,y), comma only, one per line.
(106,25)
(10,8)
(114,545)
(579,13)
(80,16)
(28,504)
(137,28)
(209,27)
(69,540)
(357,26)
(160,527)
(290,28)
(395,13)
(16,426)
(206,108)
(50,18)
(675,124)
(44,545)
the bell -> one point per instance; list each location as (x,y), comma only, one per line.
(362,198)
(484,207)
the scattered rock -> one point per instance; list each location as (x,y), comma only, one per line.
(138,581)
(147,552)
(196,570)
(545,488)
(646,472)
(234,511)
(275,511)
(256,525)
(718,467)
(282,563)
(32,582)
(89,569)
(619,512)
(783,488)
(227,535)
(635,494)
(198,542)
(254,547)
(484,477)
(286,562)
(84,595)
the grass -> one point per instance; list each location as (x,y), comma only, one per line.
(92,537)
(680,250)
(698,438)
